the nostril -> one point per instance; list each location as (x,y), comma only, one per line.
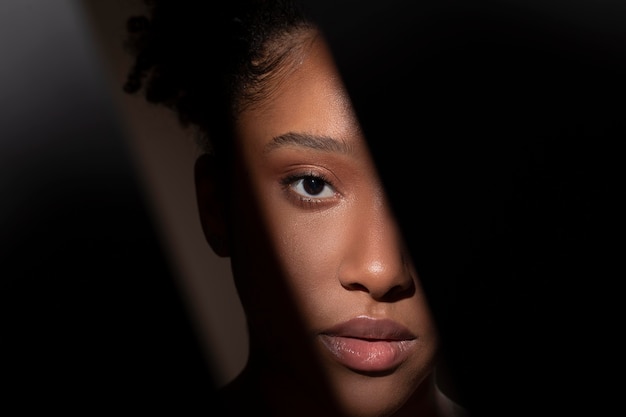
(395,293)
(399,292)
(355,286)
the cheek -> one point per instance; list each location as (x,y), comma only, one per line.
(309,249)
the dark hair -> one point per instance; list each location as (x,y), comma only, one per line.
(207,60)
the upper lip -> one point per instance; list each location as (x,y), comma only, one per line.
(364,327)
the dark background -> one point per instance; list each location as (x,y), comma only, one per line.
(91,316)
(497,127)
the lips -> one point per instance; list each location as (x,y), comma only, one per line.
(369,345)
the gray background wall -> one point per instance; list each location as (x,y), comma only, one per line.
(164,156)
(104,269)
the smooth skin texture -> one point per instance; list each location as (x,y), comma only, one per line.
(322,248)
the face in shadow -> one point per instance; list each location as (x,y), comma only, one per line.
(330,294)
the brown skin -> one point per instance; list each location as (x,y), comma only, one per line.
(304,262)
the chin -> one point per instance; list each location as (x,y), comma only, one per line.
(360,395)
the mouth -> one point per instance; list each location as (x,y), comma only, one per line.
(369,345)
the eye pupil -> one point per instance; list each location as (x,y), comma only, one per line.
(313,185)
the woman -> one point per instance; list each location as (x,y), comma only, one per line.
(287,190)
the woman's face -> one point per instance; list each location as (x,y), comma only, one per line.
(325,226)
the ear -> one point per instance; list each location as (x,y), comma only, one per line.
(212,204)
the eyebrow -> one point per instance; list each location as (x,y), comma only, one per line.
(307,140)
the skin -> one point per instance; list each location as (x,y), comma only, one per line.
(306,261)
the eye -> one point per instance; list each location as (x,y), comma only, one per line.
(312,187)
(309,189)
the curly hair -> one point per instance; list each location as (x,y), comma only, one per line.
(208,60)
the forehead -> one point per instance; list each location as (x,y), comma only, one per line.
(307,96)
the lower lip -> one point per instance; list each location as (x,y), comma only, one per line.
(368,355)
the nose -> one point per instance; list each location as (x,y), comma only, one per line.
(375,260)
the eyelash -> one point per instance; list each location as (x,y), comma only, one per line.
(290,182)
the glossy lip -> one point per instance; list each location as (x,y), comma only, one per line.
(366,344)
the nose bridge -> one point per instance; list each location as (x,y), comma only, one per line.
(374,261)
